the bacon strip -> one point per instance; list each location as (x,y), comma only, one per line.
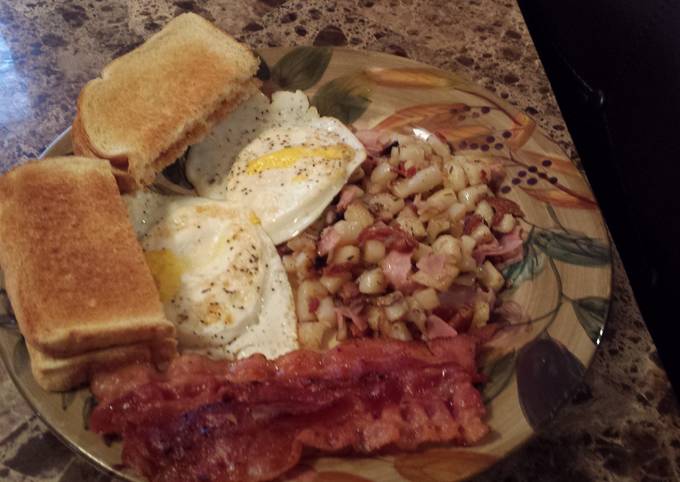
(250,420)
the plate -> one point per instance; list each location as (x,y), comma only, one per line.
(560,291)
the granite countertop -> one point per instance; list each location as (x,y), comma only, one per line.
(622,424)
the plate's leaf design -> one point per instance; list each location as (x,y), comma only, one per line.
(441,465)
(345,98)
(546,374)
(417,78)
(592,313)
(559,197)
(551,164)
(427,116)
(507,340)
(301,68)
(572,247)
(530,266)
(523,130)
(67,399)
(88,405)
(498,375)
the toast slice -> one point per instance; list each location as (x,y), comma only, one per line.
(61,374)
(74,272)
(149,105)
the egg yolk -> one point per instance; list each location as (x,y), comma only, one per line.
(289,156)
(166,268)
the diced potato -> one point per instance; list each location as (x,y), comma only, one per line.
(311,334)
(447,244)
(358,215)
(396,311)
(421,251)
(422,181)
(372,282)
(385,205)
(457,180)
(374,251)
(467,244)
(437,226)
(335,282)
(470,196)
(485,211)
(476,171)
(427,298)
(482,234)
(307,291)
(409,222)
(506,224)
(375,316)
(325,313)
(481,313)
(347,254)
(456,212)
(382,175)
(490,277)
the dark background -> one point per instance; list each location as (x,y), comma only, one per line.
(614,66)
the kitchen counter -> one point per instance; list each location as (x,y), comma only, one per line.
(622,424)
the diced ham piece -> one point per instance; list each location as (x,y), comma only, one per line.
(349,193)
(396,267)
(509,250)
(375,141)
(438,328)
(329,240)
(436,270)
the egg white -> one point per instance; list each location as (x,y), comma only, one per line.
(220,278)
(285,198)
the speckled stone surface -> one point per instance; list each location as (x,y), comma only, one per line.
(623,424)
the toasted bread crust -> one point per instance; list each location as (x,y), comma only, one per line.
(151,103)
(74,272)
(61,374)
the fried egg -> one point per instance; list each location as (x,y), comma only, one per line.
(218,274)
(279,159)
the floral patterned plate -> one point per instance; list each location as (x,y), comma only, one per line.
(562,286)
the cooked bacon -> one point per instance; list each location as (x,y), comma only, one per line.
(329,240)
(438,328)
(509,250)
(392,236)
(502,206)
(396,267)
(349,193)
(348,292)
(471,222)
(403,171)
(313,304)
(250,420)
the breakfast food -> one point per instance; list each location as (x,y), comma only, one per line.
(220,278)
(250,420)
(151,103)
(410,250)
(74,272)
(59,374)
(280,159)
